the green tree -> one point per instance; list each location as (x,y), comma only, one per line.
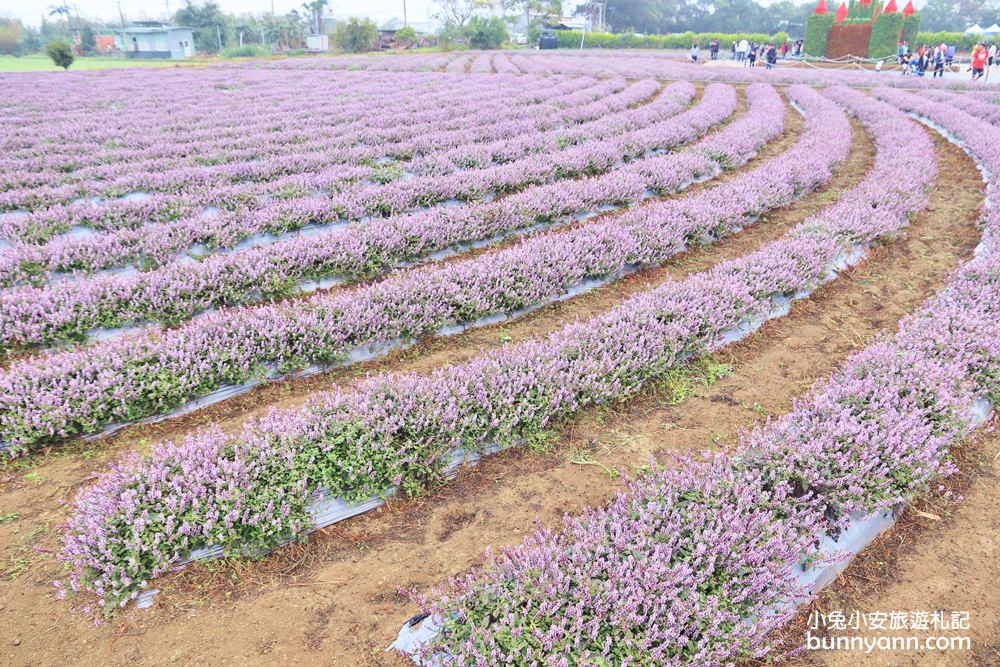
(356,35)
(458,12)
(486,33)
(315,10)
(88,43)
(10,37)
(535,12)
(406,36)
(63,11)
(60,52)
(208,23)
(957,15)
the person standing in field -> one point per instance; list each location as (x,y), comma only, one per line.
(938,62)
(991,60)
(713,48)
(771,56)
(979,56)
(752,55)
(743,50)
(694,53)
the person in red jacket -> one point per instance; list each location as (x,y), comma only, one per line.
(979,56)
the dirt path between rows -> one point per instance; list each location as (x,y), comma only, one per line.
(333,601)
(941,556)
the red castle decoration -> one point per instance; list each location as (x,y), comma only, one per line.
(841,13)
(890,8)
(821,7)
(908,10)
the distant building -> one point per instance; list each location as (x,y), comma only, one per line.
(151,40)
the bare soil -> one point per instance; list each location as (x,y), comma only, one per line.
(333,600)
(940,556)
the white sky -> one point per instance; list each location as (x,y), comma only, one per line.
(31,11)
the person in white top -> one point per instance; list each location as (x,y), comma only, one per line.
(744,48)
(992,54)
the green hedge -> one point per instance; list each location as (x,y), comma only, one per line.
(817,31)
(964,42)
(885,36)
(859,13)
(246,51)
(911,24)
(570,39)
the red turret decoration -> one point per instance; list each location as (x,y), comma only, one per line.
(848,28)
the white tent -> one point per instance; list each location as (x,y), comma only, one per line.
(992,30)
(974,30)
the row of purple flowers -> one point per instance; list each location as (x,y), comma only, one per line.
(60,394)
(397,431)
(696,564)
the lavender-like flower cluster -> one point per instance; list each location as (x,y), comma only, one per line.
(80,391)
(696,565)
(294,193)
(251,490)
(31,315)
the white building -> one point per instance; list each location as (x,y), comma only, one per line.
(150,40)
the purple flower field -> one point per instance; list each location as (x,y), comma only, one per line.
(342,217)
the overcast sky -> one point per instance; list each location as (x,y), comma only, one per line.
(31,11)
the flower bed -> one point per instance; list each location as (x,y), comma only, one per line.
(99,163)
(174,293)
(697,565)
(287,192)
(251,490)
(121,381)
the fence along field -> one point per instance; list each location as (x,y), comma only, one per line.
(159,257)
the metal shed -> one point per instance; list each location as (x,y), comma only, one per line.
(155,41)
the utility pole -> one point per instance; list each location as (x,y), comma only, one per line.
(404,14)
(121,16)
(169,20)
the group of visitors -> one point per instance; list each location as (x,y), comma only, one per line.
(925,58)
(749,53)
(937,58)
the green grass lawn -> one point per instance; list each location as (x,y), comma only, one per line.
(39,62)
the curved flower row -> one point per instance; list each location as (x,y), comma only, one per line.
(205,161)
(127,379)
(153,244)
(30,315)
(396,431)
(491,121)
(687,566)
(259,175)
(980,138)
(183,147)
(976,107)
